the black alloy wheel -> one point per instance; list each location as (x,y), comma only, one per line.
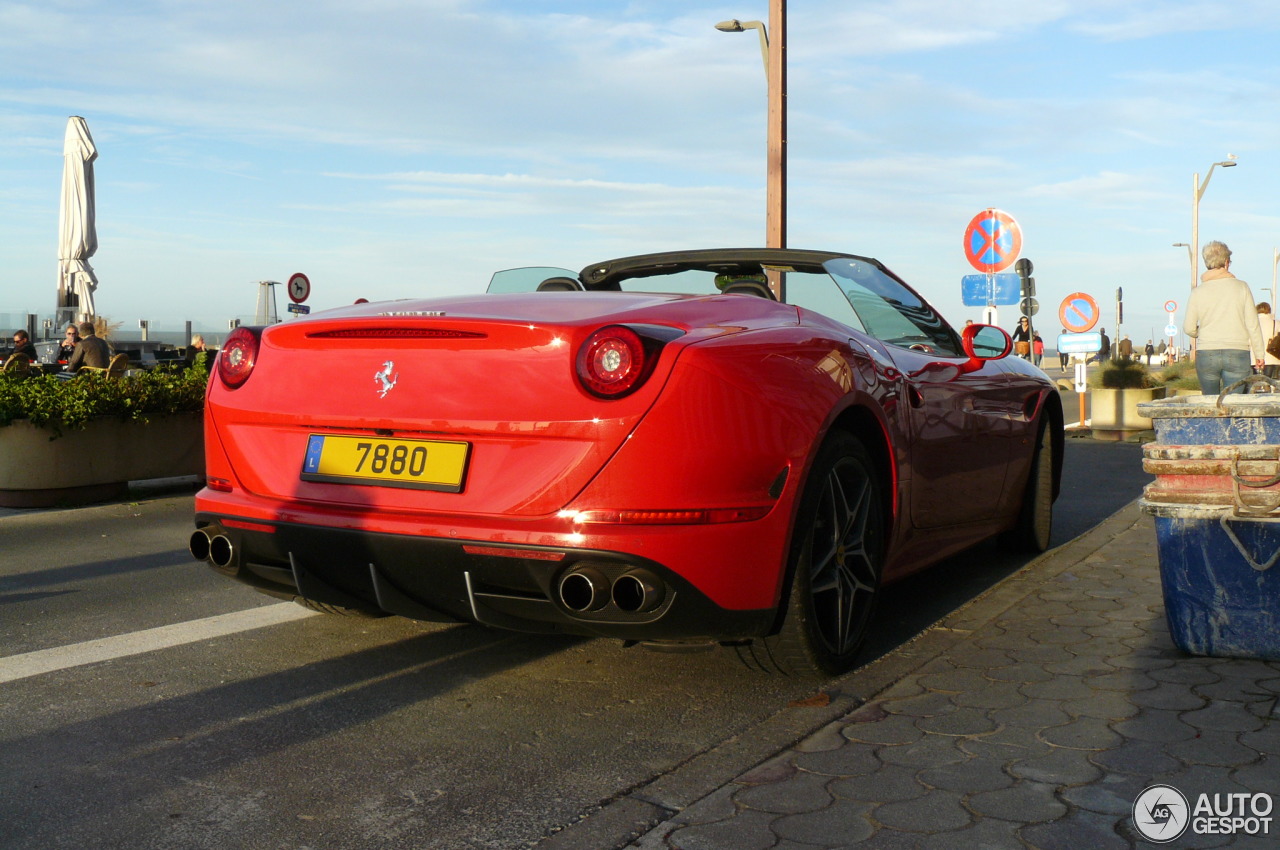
(836,560)
(1034,527)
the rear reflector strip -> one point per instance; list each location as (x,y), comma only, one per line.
(397,333)
(690,517)
(502,552)
(248,526)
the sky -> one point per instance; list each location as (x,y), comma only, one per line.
(410,148)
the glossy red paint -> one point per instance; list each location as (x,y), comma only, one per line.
(691,467)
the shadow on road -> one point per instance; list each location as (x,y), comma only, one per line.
(1098,479)
(137,753)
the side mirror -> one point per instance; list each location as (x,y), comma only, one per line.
(984,342)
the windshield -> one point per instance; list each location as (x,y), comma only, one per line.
(688,282)
(889,311)
(524,280)
(853,291)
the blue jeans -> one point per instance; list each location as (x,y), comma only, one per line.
(1221,367)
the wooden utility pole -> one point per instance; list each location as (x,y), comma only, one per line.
(776,195)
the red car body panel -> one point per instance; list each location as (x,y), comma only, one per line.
(740,398)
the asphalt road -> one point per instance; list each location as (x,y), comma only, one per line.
(325,732)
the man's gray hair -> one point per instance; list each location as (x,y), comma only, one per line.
(1216,255)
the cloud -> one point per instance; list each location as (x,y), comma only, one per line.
(1146,19)
(1106,189)
(340,138)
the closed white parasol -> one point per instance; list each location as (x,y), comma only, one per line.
(77,234)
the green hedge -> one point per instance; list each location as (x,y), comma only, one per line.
(50,402)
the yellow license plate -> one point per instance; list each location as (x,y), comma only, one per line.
(420,464)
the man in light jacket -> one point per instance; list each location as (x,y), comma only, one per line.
(1222,317)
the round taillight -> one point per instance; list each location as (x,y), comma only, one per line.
(238,356)
(611,363)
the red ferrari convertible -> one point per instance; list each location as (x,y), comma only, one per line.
(734,447)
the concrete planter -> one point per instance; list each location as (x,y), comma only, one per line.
(97,463)
(1114,413)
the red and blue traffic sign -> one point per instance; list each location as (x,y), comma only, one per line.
(992,241)
(1079,312)
(1171,306)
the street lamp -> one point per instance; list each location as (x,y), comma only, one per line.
(739,26)
(1197,192)
(1191,257)
(1191,260)
(775,66)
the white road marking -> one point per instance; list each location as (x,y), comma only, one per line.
(148,640)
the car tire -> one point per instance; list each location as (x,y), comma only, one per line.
(837,554)
(1034,528)
(326,608)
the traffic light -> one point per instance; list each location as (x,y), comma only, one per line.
(1024,268)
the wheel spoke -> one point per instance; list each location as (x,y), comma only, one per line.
(842,573)
(826,537)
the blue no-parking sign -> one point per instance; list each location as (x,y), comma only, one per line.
(1079,312)
(992,241)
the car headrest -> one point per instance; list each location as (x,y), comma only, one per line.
(749,287)
(560,284)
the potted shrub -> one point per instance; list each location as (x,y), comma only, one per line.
(1115,392)
(1179,378)
(81,440)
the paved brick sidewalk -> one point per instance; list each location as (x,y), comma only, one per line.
(1032,717)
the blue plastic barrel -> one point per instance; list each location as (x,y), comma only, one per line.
(1216,504)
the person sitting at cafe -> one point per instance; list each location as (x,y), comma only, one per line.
(91,350)
(194,350)
(22,345)
(68,344)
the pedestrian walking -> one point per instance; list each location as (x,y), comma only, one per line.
(1222,317)
(1022,338)
(1037,348)
(1267,325)
(1063,357)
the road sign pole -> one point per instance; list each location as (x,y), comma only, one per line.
(1082,383)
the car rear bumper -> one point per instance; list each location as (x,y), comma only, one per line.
(531,588)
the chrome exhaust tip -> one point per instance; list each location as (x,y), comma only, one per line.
(221,551)
(199,545)
(584,589)
(637,591)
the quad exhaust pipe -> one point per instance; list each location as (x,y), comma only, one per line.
(215,549)
(199,545)
(584,589)
(587,589)
(637,591)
